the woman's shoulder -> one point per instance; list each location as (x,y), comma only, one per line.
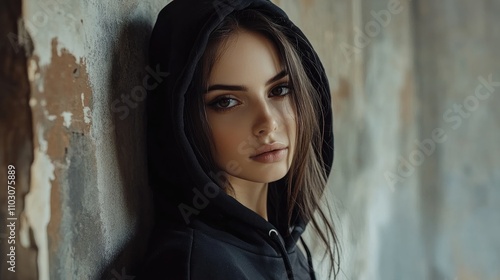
(188,252)
(168,254)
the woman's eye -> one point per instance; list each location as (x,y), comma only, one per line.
(280,90)
(223,103)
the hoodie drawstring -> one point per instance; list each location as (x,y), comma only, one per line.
(274,236)
(309,260)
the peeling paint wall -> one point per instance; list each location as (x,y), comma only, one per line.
(415,183)
(88,205)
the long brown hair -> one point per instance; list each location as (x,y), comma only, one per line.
(306,178)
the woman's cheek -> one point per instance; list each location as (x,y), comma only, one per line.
(228,136)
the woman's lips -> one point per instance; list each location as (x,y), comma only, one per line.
(271,156)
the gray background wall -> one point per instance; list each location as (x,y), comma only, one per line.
(416,179)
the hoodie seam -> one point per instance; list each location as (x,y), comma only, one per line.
(191,257)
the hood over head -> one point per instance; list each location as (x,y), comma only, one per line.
(182,190)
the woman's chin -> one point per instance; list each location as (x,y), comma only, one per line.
(266,174)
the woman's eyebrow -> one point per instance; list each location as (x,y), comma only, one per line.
(278,76)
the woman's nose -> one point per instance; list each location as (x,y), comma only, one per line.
(265,119)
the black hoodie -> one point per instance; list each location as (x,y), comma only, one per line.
(201,232)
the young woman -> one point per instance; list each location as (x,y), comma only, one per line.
(240,143)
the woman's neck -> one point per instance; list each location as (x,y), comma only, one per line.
(251,194)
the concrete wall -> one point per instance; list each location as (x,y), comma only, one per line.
(416,175)
(416,179)
(457,45)
(88,194)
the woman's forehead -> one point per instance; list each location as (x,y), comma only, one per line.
(246,56)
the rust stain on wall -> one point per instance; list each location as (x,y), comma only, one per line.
(61,108)
(406,106)
(341,95)
(308,4)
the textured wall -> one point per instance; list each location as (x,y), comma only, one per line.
(87,199)
(416,179)
(458,66)
(416,175)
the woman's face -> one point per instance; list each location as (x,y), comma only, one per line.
(250,111)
